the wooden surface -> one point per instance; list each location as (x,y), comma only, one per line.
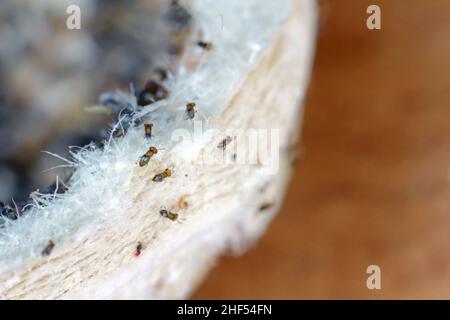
(372,181)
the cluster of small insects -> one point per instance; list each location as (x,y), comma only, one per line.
(154,90)
(120,104)
(165,213)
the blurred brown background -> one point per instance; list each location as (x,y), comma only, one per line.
(372,183)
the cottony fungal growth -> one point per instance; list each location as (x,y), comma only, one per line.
(89,94)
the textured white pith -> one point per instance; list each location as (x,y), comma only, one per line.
(239,31)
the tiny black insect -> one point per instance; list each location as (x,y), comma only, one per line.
(178,18)
(190,111)
(266,206)
(48,249)
(152,92)
(143,161)
(161,74)
(139,248)
(148,130)
(119,132)
(7,212)
(223,144)
(167,214)
(161,176)
(205,45)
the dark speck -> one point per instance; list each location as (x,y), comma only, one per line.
(153,91)
(266,206)
(48,249)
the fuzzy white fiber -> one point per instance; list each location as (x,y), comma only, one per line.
(239,30)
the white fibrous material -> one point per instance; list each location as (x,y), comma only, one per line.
(239,31)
